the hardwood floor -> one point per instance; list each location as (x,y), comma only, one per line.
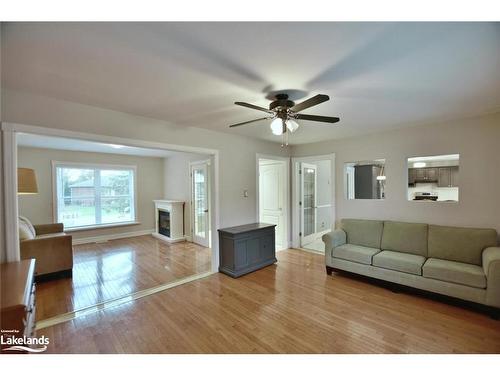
(103,271)
(290,307)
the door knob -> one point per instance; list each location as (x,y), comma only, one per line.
(205,210)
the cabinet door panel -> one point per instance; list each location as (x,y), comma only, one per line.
(444,177)
(454,176)
(432,174)
(253,253)
(420,174)
(267,247)
(240,254)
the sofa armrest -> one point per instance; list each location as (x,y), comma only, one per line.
(52,253)
(333,239)
(48,228)
(491,267)
(491,260)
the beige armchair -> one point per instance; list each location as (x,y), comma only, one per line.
(49,246)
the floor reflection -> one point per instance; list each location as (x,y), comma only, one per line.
(104,271)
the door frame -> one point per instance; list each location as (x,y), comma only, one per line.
(286,198)
(9,132)
(191,206)
(296,192)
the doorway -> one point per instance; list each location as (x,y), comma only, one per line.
(200,202)
(313,201)
(273,197)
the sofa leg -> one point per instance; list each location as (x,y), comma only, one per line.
(329,270)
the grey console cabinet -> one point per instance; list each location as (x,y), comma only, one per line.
(246,248)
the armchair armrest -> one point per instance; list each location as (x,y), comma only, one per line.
(491,267)
(53,253)
(333,239)
(48,228)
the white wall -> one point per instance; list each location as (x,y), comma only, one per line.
(38,207)
(177,182)
(237,154)
(475,139)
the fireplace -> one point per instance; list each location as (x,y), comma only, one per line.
(169,220)
(164,222)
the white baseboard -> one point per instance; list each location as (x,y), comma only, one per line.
(167,239)
(108,237)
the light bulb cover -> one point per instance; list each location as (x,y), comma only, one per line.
(277,126)
(291,125)
(419,164)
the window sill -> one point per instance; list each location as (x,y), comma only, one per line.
(101,226)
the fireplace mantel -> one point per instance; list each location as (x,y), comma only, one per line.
(176,210)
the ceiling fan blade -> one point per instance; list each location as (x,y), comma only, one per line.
(315,100)
(248,105)
(330,120)
(249,122)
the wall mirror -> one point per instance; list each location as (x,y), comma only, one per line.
(365,179)
(433,178)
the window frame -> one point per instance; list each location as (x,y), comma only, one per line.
(94,166)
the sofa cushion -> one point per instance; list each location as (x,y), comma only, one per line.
(464,245)
(455,272)
(403,262)
(405,237)
(363,232)
(355,253)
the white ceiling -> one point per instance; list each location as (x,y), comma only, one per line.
(58,143)
(378,75)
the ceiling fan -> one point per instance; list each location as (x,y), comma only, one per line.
(284,112)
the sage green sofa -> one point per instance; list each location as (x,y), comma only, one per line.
(462,263)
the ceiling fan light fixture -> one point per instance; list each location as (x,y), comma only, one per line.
(292,125)
(277,126)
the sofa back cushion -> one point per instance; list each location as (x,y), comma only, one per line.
(363,232)
(460,244)
(408,238)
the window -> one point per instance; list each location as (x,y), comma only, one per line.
(93,195)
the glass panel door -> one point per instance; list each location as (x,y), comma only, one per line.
(308,203)
(199,176)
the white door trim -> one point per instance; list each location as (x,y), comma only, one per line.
(191,206)
(12,251)
(286,208)
(10,174)
(296,192)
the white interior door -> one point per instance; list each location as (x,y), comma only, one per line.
(200,204)
(272,199)
(308,203)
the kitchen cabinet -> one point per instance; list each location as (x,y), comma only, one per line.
(411,176)
(422,175)
(448,177)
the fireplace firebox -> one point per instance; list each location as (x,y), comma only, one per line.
(164,222)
